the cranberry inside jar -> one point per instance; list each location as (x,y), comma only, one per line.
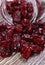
(19,10)
(23,34)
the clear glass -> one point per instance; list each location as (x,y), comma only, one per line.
(9,19)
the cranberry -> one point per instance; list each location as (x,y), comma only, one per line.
(16,37)
(39,23)
(16,16)
(25,54)
(29,16)
(16,8)
(19,28)
(24,10)
(2,27)
(1,37)
(15,46)
(5,43)
(5,52)
(25,22)
(30,7)
(36,48)
(37,39)
(30,28)
(23,6)
(39,31)
(26,37)
(10,33)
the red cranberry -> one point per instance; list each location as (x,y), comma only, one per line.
(24,12)
(24,9)
(30,8)
(15,46)
(16,16)
(19,28)
(4,52)
(36,48)
(5,44)
(23,1)
(39,23)
(30,28)
(10,33)
(23,6)
(25,54)
(16,8)
(1,37)
(2,27)
(39,31)
(29,16)
(25,22)
(37,39)
(16,37)
(26,37)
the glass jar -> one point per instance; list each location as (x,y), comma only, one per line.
(9,19)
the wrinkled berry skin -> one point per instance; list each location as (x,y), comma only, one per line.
(36,49)
(5,49)
(25,51)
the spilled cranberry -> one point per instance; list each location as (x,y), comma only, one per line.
(24,37)
(25,51)
(36,48)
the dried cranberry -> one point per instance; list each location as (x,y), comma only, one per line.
(16,16)
(16,8)
(10,33)
(25,51)
(30,28)
(24,10)
(26,37)
(5,52)
(1,37)
(2,27)
(19,28)
(25,22)
(39,31)
(30,7)
(16,37)
(37,39)
(36,48)
(5,44)
(15,46)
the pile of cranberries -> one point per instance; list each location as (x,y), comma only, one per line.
(24,37)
